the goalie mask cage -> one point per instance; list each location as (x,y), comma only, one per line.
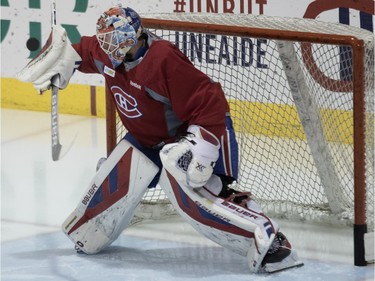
(301,94)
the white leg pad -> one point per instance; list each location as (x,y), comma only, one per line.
(239,229)
(110,201)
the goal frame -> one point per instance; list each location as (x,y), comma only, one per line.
(357,45)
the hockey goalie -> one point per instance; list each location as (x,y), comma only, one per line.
(179,135)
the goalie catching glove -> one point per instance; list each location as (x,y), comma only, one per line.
(192,159)
(57,57)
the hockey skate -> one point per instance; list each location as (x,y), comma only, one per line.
(280,256)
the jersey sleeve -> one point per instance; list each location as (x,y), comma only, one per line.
(195,98)
(89,50)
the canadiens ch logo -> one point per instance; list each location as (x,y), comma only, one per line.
(127,105)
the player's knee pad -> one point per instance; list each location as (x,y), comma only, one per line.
(111,199)
(240,229)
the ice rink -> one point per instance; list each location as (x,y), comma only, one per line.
(37,195)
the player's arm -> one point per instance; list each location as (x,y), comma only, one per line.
(57,57)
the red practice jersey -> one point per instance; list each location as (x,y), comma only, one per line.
(160,95)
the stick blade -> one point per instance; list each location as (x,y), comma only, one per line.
(56,150)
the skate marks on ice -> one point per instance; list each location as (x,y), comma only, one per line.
(50,256)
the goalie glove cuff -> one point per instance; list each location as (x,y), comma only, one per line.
(191,161)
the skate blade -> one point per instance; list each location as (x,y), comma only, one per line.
(289,262)
(269,268)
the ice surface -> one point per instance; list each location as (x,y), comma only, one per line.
(37,194)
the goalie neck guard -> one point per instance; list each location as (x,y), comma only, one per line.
(117,31)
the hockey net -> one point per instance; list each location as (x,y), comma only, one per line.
(301,94)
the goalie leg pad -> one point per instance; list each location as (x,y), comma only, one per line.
(230,225)
(110,201)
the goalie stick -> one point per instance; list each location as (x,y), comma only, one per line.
(55,83)
(55,135)
(55,138)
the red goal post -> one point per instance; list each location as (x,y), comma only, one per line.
(318,77)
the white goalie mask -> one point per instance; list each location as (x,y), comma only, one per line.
(117,31)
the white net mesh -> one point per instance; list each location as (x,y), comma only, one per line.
(280,163)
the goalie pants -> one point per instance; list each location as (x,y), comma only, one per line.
(226,165)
